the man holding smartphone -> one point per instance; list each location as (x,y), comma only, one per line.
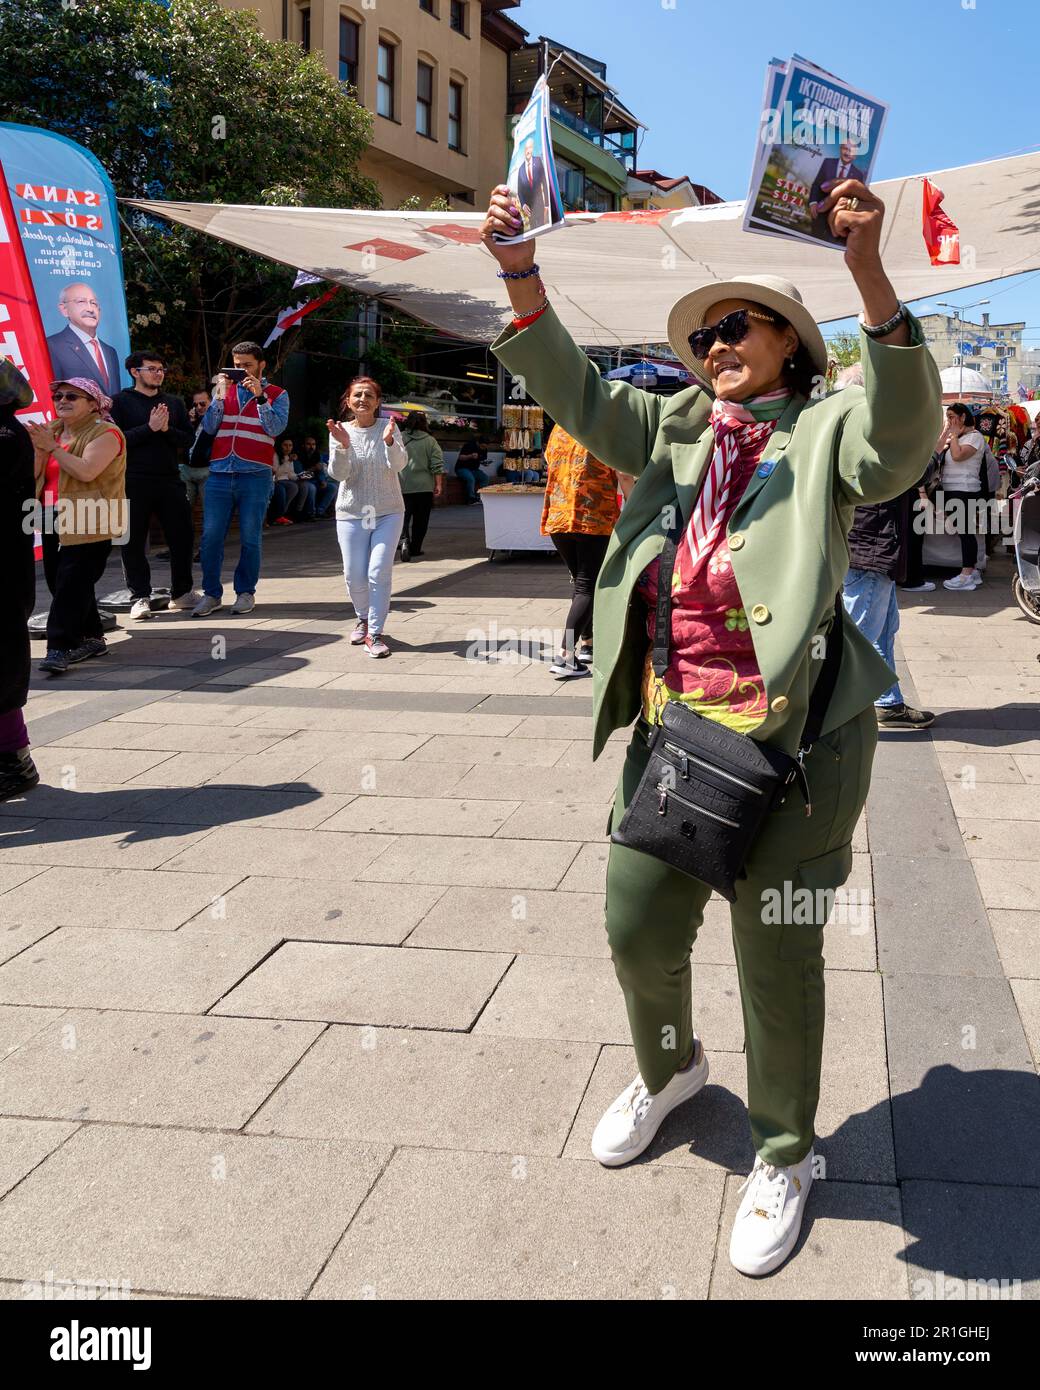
(245,417)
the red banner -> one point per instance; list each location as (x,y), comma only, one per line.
(22,338)
(941,234)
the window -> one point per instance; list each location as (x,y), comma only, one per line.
(424,100)
(455,116)
(349,44)
(385,93)
(572,184)
(458,16)
(427,5)
(598,198)
(305,28)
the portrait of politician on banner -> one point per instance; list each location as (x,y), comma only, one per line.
(79,349)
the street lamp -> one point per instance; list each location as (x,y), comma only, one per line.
(957,319)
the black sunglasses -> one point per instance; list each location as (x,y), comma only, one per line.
(68,396)
(730,330)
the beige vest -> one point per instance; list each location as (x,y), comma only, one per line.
(95,511)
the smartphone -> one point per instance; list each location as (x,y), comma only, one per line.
(235,374)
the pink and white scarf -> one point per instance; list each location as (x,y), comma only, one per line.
(738,437)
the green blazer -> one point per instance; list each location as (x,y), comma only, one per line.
(787,535)
(425,461)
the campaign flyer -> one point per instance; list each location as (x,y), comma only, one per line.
(820,131)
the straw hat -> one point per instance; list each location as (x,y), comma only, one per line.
(768,290)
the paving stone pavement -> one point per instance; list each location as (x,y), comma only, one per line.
(304,990)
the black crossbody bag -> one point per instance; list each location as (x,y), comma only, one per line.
(707,790)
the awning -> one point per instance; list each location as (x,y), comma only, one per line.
(613,276)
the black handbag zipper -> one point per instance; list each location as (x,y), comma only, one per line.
(689,758)
(662,806)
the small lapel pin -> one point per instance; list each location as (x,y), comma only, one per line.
(766,467)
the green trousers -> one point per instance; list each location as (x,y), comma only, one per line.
(654,912)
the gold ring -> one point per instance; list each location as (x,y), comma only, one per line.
(852,204)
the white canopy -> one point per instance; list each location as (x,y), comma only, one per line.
(613,276)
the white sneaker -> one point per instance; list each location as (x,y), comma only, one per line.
(184,603)
(206,606)
(769,1217)
(962,581)
(978,576)
(563,670)
(244,603)
(926,588)
(140,608)
(630,1124)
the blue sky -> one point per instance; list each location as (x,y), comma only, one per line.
(963,84)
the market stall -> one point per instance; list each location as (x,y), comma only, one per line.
(513,509)
(513,517)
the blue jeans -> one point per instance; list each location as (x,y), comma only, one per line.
(368,564)
(870,601)
(306,493)
(327,491)
(249,493)
(283,494)
(473,479)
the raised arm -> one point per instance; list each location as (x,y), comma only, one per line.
(614,421)
(888,435)
(341,452)
(396,453)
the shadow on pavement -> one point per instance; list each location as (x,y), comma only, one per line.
(967,1146)
(143,813)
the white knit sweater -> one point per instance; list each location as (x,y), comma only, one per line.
(367,472)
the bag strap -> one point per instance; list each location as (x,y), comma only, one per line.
(663,610)
(822,691)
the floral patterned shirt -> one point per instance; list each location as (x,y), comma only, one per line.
(713,667)
(580,492)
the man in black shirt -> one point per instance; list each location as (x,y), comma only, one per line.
(157,431)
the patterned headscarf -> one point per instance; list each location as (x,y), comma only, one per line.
(89,388)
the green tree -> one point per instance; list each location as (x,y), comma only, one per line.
(842,351)
(191,103)
(413,203)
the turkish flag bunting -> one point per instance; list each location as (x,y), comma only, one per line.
(941,234)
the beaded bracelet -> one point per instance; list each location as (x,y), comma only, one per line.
(533,269)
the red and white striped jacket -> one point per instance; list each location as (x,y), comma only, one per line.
(241,432)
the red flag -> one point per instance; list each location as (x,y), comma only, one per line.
(941,234)
(289,318)
(22,337)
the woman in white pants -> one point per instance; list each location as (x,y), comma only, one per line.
(366,455)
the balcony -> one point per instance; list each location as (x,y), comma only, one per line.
(620,144)
(581,101)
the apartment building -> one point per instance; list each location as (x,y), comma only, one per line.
(992,349)
(1031,369)
(432,72)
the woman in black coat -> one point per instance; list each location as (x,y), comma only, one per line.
(17,583)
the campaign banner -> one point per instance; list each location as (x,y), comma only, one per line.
(64,208)
(532,170)
(819,132)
